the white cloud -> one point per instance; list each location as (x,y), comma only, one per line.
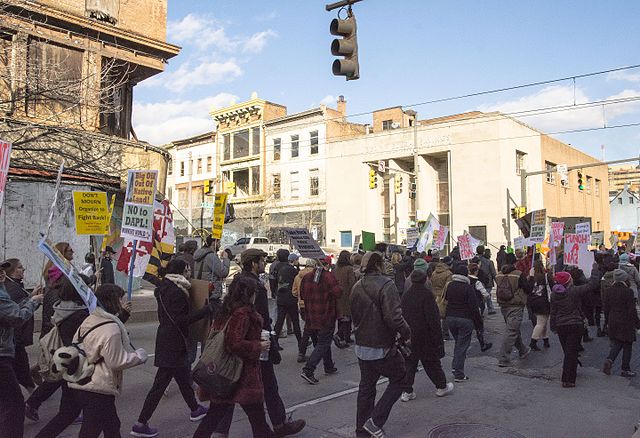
(187,28)
(190,75)
(258,41)
(624,75)
(329,100)
(162,122)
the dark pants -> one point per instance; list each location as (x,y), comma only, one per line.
(570,336)
(290,310)
(532,315)
(626,348)
(182,376)
(445,329)
(42,393)
(344,329)
(68,411)
(99,415)
(21,367)
(432,367)
(307,335)
(218,412)
(11,401)
(461,329)
(598,315)
(322,351)
(392,367)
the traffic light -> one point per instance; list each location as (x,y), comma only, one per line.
(522,212)
(518,212)
(580,182)
(208,186)
(514,212)
(346,46)
(412,189)
(398,183)
(373,179)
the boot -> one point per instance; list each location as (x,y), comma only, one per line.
(546,343)
(600,332)
(291,427)
(534,345)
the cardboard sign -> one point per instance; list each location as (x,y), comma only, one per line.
(137,216)
(465,246)
(412,237)
(91,212)
(198,298)
(219,209)
(440,237)
(583,228)
(5,157)
(557,232)
(368,241)
(538,226)
(304,243)
(356,243)
(597,238)
(576,251)
(519,242)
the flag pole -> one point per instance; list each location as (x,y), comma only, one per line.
(131,263)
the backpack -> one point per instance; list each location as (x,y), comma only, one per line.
(504,292)
(49,344)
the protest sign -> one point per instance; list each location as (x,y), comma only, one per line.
(597,238)
(198,298)
(465,246)
(538,226)
(304,243)
(356,244)
(219,210)
(519,242)
(412,237)
(137,216)
(426,235)
(576,251)
(5,156)
(557,231)
(368,241)
(70,272)
(637,242)
(91,213)
(440,237)
(613,239)
(583,228)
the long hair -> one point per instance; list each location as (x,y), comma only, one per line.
(109,297)
(175,266)
(241,293)
(539,273)
(68,292)
(60,246)
(344,259)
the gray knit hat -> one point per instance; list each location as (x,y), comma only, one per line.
(619,276)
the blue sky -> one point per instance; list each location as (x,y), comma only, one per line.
(410,52)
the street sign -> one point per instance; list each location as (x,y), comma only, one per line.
(382,166)
(208,205)
(563,173)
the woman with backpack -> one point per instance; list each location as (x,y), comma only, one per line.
(107,346)
(538,301)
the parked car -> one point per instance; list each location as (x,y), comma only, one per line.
(262,243)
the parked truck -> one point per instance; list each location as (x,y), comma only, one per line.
(262,243)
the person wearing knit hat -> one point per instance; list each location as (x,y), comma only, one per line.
(620,311)
(632,272)
(420,264)
(566,318)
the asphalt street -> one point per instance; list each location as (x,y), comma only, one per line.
(526,399)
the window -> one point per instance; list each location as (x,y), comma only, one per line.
(588,186)
(597,187)
(314,182)
(630,199)
(277,145)
(260,240)
(170,166)
(276,186)
(209,164)
(550,167)
(520,156)
(346,240)
(183,200)
(243,241)
(226,139)
(182,168)
(314,142)
(241,178)
(255,180)
(387,124)
(255,141)
(199,165)
(170,194)
(241,144)
(620,201)
(295,185)
(295,145)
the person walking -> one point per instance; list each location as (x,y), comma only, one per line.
(631,271)
(107,275)
(282,258)
(399,267)
(320,291)
(620,308)
(287,303)
(481,295)
(377,318)
(440,277)
(566,319)
(511,293)
(421,312)
(186,252)
(605,284)
(307,334)
(171,351)
(346,279)
(489,277)
(12,316)
(211,267)
(539,304)
(501,257)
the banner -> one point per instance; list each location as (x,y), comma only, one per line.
(52,209)
(5,157)
(538,226)
(440,237)
(70,272)
(137,216)
(465,247)
(219,210)
(356,243)
(426,235)
(557,232)
(368,241)
(583,228)
(304,243)
(91,213)
(412,237)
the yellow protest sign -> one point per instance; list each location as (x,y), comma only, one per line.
(141,186)
(91,213)
(219,210)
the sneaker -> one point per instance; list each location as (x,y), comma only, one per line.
(301,358)
(606,368)
(283,334)
(441,392)
(199,413)
(462,378)
(31,413)
(504,364)
(78,420)
(310,378)
(486,346)
(627,373)
(143,430)
(330,371)
(408,396)
(525,353)
(291,427)
(374,430)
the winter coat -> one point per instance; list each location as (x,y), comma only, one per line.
(286,275)
(620,309)
(109,348)
(23,334)
(320,300)
(439,279)
(501,258)
(376,312)
(208,266)
(12,316)
(295,290)
(489,270)
(398,277)
(538,299)
(242,338)
(420,311)
(605,285)
(68,316)
(634,277)
(107,276)
(346,279)
(518,283)
(174,318)
(566,303)
(462,301)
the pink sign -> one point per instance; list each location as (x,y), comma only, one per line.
(5,156)
(557,231)
(465,246)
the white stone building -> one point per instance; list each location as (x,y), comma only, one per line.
(625,210)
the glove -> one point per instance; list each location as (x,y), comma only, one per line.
(142,354)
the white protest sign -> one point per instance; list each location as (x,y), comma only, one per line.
(412,237)
(538,226)
(304,243)
(583,228)
(576,252)
(356,243)
(440,238)
(137,216)
(426,236)
(519,242)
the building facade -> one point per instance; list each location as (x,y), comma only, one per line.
(625,211)
(624,175)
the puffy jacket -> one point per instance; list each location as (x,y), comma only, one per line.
(12,315)
(566,302)
(209,267)
(518,284)
(376,312)
(462,301)
(420,311)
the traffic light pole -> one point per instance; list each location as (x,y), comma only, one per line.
(341,4)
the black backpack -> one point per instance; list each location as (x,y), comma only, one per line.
(504,292)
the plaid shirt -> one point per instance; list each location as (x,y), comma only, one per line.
(320,300)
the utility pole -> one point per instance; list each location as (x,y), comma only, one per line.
(416,161)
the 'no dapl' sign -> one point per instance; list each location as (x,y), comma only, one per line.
(137,217)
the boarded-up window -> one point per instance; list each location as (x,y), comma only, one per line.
(103,10)
(116,98)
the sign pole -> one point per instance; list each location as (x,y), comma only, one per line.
(131,263)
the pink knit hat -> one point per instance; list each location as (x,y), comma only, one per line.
(563,278)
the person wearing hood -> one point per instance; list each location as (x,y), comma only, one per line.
(287,303)
(605,284)
(566,319)
(463,315)
(346,278)
(186,252)
(282,258)
(424,266)
(211,267)
(630,269)
(68,314)
(421,312)
(440,277)
(171,353)
(620,308)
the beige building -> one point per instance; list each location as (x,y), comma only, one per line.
(624,174)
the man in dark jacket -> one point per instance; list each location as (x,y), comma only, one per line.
(282,257)
(106,267)
(488,279)
(377,318)
(287,303)
(501,256)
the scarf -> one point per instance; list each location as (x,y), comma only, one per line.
(179,281)
(126,341)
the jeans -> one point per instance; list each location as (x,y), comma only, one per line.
(540,330)
(489,302)
(11,401)
(182,376)
(570,337)
(461,329)
(445,329)
(432,367)
(290,310)
(219,412)
(512,337)
(626,348)
(99,415)
(42,393)
(322,351)
(21,367)
(68,411)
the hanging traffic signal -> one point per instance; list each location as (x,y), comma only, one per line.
(373,179)
(580,181)
(346,46)
(413,187)
(514,212)
(398,183)
(208,186)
